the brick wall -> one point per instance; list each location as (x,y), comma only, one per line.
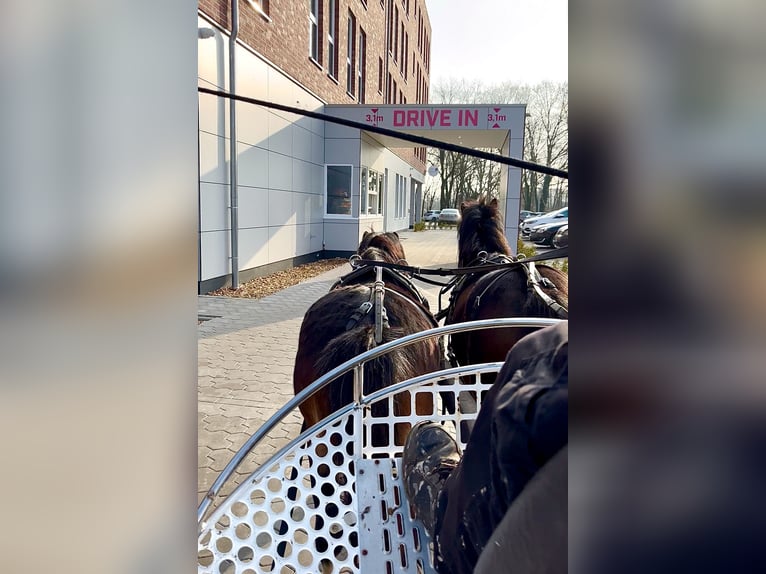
(283,38)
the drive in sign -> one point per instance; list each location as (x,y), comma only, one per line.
(438,118)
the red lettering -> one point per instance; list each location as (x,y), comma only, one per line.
(445,120)
(412,118)
(432,119)
(472,119)
(398,118)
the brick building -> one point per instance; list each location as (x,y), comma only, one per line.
(304,186)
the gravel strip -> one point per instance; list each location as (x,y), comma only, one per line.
(270,284)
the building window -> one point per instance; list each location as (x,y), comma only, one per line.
(332,45)
(350,53)
(361,67)
(372,202)
(338,190)
(396,32)
(401,59)
(400,197)
(314,30)
(261,6)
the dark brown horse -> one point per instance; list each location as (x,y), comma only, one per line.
(507,292)
(341,325)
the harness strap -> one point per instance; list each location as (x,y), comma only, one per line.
(535,280)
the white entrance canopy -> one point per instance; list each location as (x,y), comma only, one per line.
(497,127)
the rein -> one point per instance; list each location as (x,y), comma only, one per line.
(458,271)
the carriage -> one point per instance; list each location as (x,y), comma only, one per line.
(332,500)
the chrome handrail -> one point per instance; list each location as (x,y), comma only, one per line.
(358,361)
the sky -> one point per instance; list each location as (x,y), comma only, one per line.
(524,41)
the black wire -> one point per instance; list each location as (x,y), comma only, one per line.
(393,133)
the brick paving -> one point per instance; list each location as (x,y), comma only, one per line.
(246,354)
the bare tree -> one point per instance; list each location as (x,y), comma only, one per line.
(546,141)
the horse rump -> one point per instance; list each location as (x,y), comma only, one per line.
(381,372)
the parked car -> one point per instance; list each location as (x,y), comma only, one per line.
(544,233)
(431,215)
(449,216)
(550,217)
(525,214)
(561,239)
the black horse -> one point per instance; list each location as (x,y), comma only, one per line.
(524,290)
(341,325)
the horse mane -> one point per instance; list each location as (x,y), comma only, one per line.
(377,254)
(386,241)
(480,229)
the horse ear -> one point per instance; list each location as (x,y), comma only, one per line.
(397,235)
(493,203)
(366,234)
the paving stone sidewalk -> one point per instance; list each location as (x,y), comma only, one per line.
(246,353)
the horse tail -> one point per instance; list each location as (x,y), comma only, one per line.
(378,373)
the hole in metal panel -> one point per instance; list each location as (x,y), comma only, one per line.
(416,539)
(245,554)
(383,511)
(403,555)
(331,510)
(386,541)
(263,540)
(397,501)
(325,566)
(399,524)
(226,567)
(266,564)
(389,567)
(382,483)
(205,557)
(341,553)
(305,558)
(321,544)
(243,531)
(223,544)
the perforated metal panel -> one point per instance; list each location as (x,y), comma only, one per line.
(332,502)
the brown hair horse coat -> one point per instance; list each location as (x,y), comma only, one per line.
(497,294)
(326,340)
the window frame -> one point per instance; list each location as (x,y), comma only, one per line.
(361,66)
(332,41)
(314,27)
(351,55)
(350,213)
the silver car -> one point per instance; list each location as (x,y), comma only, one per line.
(550,217)
(449,216)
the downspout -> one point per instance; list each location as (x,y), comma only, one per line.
(385,54)
(234,198)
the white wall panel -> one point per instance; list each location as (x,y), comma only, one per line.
(253,207)
(215,254)
(213,57)
(252,166)
(317,149)
(253,247)
(342,235)
(280,135)
(280,171)
(342,151)
(302,143)
(252,125)
(214,207)
(302,174)
(317,179)
(213,114)
(308,208)
(281,243)
(213,158)
(281,210)
(252,77)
